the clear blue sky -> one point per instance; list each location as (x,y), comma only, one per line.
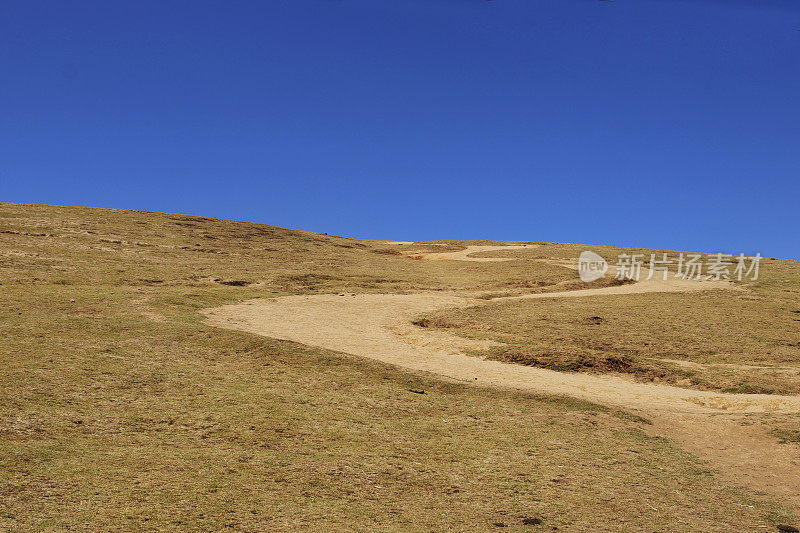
(660,123)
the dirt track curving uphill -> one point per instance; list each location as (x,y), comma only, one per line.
(378,326)
(466,253)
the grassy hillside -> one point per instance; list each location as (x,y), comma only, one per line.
(122,410)
(742,341)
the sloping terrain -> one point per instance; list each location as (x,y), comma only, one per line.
(122,409)
(380,327)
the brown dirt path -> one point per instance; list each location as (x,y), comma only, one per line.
(378,326)
(466,253)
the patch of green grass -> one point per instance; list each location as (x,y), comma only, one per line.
(787,435)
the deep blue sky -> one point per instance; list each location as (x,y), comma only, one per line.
(660,123)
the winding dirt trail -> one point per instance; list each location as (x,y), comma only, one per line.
(378,326)
(466,253)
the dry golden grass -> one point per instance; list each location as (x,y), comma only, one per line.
(123,411)
(736,341)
